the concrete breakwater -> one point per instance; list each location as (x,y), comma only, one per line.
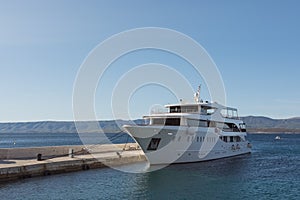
(21,163)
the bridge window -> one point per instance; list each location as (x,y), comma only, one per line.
(205,110)
(175,109)
(229,113)
(183,109)
(172,122)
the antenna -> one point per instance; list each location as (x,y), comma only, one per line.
(197,94)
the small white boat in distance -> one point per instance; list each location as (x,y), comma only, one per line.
(191,132)
(277,137)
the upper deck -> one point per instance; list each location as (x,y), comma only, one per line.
(200,114)
(201,108)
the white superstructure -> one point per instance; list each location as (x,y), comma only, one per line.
(191,132)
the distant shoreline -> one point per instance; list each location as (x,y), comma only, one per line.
(273,131)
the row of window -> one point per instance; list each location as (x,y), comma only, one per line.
(205,110)
(153,145)
(229,113)
(212,139)
(223,126)
(231,138)
(166,121)
(184,109)
(198,139)
(197,123)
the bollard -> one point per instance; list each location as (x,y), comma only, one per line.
(39,157)
(71,153)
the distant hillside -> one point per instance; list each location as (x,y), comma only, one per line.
(253,123)
(265,124)
(111,126)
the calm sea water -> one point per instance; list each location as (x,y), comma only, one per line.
(270,172)
(15,140)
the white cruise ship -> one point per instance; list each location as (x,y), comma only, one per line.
(191,132)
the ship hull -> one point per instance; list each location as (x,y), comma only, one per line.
(181,144)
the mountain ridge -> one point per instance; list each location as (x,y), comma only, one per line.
(253,123)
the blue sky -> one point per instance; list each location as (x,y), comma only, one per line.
(255,45)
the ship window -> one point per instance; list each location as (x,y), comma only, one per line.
(158,121)
(189,109)
(224,112)
(229,113)
(234,114)
(172,122)
(166,121)
(233,127)
(207,110)
(197,139)
(153,144)
(229,127)
(184,109)
(210,111)
(212,124)
(231,138)
(226,127)
(196,123)
(175,109)
(219,125)
(243,127)
(224,138)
